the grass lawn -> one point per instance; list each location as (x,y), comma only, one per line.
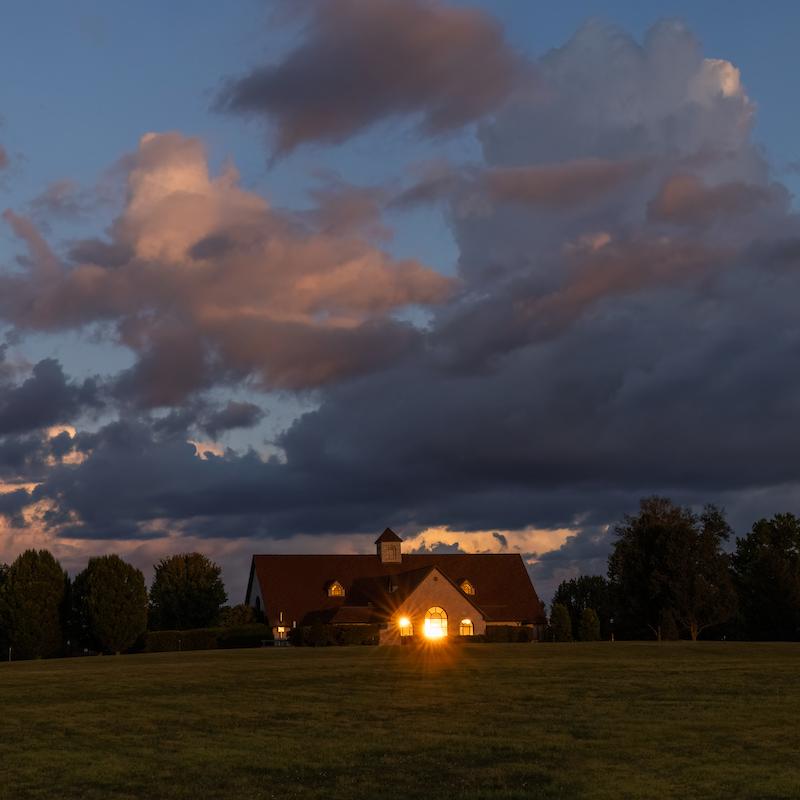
(480,721)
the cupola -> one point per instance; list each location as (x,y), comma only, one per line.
(388,547)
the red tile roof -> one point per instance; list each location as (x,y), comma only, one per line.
(296,584)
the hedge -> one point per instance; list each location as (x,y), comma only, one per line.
(334,635)
(208,638)
(509,633)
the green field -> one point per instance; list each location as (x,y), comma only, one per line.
(481,721)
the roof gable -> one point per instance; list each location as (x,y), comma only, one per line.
(295,584)
(388,536)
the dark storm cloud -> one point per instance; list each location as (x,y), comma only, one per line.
(233,415)
(363,61)
(45,398)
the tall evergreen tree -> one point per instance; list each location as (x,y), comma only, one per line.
(110,598)
(589,626)
(187,592)
(560,623)
(32,605)
(766,569)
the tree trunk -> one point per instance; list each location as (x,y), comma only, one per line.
(694,631)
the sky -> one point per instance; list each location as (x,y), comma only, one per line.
(276,275)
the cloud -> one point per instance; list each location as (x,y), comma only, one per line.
(206,283)
(4,159)
(362,61)
(61,199)
(44,399)
(233,415)
(623,322)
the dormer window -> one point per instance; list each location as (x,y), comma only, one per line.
(467,587)
(335,589)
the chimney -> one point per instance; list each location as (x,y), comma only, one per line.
(388,547)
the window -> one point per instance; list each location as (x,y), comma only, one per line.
(406,626)
(258,604)
(435,623)
(335,589)
(467,587)
(466,628)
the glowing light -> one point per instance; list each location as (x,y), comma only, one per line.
(435,624)
(433,631)
(406,628)
(404,622)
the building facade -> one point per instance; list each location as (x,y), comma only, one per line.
(409,596)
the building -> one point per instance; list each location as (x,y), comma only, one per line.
(434,595)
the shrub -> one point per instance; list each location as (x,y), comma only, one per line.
(253,635)
(589,626)
(319,635)
(237,616)
(508,633)
(560,623)
(208,638)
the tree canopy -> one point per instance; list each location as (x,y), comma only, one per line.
(560,623)
(766,569)
(668,569)
(32,605)
(110,598)
(187,592)
(586,591)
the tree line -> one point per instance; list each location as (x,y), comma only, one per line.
(107,607)
(674,573)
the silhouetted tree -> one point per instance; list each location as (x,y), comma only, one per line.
(766,569)
(702,590)
(3,631)
(187,592)
(587,591)
(560,623)
(32,605)
(242,614)
(667,567)
(589,626)
(110,597)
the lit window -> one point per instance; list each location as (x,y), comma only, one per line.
(406,627)
(435,623)
(467,587)
(466,628)
(335,589)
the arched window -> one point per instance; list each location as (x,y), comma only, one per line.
(435,623)
(335,589)
(466,628)
(467,587)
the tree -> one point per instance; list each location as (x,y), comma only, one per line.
(111,603)
(702,590)
(236,616)
(589,626)
(560,623)
(587,591)
(667,567)
(32,605)
(187,592)
(3,631)
(766,567)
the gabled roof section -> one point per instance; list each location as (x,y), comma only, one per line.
(388,536)
(295,584)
